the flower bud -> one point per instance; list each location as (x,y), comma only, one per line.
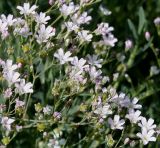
(110,141)
(19,65)
(133,143)
(6,140)
(147,36)
(126,141)
(128,44)
(51,2)
(41,127)
(38,107)
(157,21)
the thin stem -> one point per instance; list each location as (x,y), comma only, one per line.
(57,19)
(119,139)
(34,78)
(51,8)
(92,3)
(36,2)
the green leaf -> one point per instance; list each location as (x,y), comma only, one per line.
(133,29)
(142,20)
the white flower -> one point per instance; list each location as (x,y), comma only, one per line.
(3,26)
(8,19)
(71,26)
(24,88)
(94,74)
(77,75)
(85,36)
(57,115)
(12,77)
(121,100)
(20,22)
(63,57)
(82,19)
(44,34)
(94,61)
(110,40)
(97,103)
(47,110)
(133,104)
(80,64)
(23,30)
(8,66)
(19,103)
(146,136)
(68,9)
(26,9)
(148,125)
(7,93)
(42,18)
(104,29)
(116,123)
(3,29)
(103,111)
(6,123)
(134,116)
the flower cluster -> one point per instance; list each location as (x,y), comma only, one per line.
(13,78)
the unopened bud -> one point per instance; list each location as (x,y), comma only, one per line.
(133,143)
(157,21)
(147,36)
(128,44)
(51,2)
(19,65)
(126,141)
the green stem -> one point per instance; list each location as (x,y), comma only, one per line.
(119,139)
(57,19)
(155,53)
(36,2)
(34,78)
